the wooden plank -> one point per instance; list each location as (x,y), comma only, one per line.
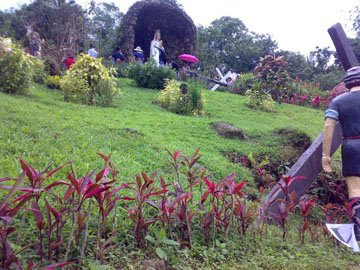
(343,48)
(308,166)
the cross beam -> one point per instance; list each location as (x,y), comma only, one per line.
(309,164)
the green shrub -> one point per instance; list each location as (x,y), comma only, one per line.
(149,75)
(38,70)
(259,99)
(89,82)
(15,70)
(121,68)
(243,83)
(52,82)
(182,98)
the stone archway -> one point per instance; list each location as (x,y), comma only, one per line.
(145,17)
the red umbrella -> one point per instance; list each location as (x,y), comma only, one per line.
(188,58)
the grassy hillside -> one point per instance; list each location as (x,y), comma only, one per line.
(43,129)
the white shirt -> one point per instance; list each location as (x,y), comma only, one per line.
(93,53)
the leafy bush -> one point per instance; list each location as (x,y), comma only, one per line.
(272,74)
(121,68)
(15,69)
(243,83)
(149,75)
(38,69)
(89,82)
(52,82)
(182,98)
(259,99)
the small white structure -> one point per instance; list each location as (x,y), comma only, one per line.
(228,78)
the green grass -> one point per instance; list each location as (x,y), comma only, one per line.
(43,129)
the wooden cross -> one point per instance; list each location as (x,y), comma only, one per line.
(309,164)
(223,79)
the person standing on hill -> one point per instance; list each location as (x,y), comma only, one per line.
(92,52)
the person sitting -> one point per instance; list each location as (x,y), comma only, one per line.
(92,52)
(139,55)
(118,56)
(69,61)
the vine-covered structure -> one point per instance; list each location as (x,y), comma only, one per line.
(145,17)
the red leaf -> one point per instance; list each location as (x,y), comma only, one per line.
(157,193)
(56,183)
(204,196)
(37,214)
(23,189)
(101,174)
(22,197)
(30,171)
(74,182)
(68,193)
(96,191)
(211,185)
(7,179)
(10,230)
(103,157)
(127,199)
(239,186)
(176,201)
(58,265)
(7,219)
(56,170)
(177,154)
(55,213)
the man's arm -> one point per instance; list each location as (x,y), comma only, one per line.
(327,142)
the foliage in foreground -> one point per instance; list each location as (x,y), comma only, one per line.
(259,99)
(80,217)
(149,75)
(15,68)
(182,98)
(89,82)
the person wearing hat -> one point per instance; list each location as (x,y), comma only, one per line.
(345,109)
(139,55)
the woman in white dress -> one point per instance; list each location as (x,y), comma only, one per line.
(157,49)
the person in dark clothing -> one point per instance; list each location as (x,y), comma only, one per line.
(118,56)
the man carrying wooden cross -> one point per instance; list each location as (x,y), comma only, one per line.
(346,109)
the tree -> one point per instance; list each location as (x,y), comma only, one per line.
(60,23)
(297,65)
(105,19)
(228,41)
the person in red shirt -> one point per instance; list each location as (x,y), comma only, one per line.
(69,61)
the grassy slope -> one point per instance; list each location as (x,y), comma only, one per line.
(42,128)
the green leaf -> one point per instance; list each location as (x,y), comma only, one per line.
(150,239)
(169,242)
(161,234)
(161,253)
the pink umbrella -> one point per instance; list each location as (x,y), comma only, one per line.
(188,58)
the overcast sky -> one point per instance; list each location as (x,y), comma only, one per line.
(297,25)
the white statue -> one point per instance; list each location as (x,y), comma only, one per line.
(157,51)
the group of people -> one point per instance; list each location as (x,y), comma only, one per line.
(157,53)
